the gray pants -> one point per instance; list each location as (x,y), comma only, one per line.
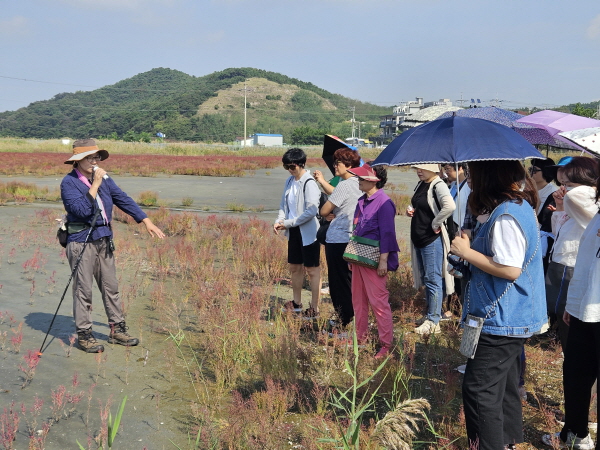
(97,262)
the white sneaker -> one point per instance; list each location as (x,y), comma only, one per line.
(461,368)
(573,442)
(428,327)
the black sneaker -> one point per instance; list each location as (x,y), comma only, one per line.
(292,306)
(310,314)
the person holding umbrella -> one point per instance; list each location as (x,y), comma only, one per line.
(85,189)
(506,292)
(431,205)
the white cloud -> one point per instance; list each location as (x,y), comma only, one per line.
(14,26)
(593,30)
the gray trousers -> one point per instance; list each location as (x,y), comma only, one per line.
(97,262)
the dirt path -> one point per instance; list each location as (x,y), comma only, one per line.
(155,409)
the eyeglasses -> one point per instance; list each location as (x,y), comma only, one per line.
(290,166)
(534,169)
(93,158)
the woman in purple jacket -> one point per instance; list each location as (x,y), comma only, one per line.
(374,219)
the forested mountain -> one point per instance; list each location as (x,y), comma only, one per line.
(184,107)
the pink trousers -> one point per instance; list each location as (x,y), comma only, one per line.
(368,288)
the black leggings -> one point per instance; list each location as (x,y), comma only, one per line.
(340,279)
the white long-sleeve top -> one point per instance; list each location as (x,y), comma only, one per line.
(568,225)
(583,298)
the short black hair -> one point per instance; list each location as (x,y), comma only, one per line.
(381,172)
(549,173)
(294,156)
(462,166)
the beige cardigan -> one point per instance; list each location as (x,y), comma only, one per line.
(448,207)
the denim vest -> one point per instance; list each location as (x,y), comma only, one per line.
(522,306)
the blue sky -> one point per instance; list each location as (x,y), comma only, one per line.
(527,53)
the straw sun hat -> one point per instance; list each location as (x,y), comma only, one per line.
(83,148)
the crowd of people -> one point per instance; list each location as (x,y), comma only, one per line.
(518,248)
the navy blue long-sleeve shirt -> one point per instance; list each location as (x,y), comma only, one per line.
(81,206)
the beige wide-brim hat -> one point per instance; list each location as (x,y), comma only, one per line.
(86,147)
(430,167)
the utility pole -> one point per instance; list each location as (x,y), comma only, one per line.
(246,90)
(353,109)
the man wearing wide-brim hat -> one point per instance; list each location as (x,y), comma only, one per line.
(85,189)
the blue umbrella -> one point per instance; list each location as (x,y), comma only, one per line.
(491,113)
(456,140)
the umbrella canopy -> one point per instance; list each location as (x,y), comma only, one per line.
(455,140)
(541,136)
(588,138)
(555,122)
(330,145)
(427,115)
(491,113)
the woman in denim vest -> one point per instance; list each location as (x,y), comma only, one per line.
(506,289)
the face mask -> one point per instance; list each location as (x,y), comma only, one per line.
(568,188)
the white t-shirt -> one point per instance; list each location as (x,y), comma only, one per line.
(292,214)
(507,242)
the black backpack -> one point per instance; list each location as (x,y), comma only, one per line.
(322,200)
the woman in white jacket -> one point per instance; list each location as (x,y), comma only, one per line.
(582,316)
(430,206)
(575,207)
(297,218)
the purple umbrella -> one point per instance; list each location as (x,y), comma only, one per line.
(555,122)
(541,136)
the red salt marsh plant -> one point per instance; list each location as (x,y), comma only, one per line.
(9,426)
(229,165)
(214,290)
(32,358)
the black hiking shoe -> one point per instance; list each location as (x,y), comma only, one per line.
(119,335)
(87,342)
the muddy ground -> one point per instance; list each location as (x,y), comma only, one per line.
(148,375)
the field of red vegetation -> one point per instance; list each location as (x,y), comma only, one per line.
(45,164)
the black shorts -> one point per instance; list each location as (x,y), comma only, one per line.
(308,255)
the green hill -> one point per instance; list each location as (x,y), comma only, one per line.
(184,107)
